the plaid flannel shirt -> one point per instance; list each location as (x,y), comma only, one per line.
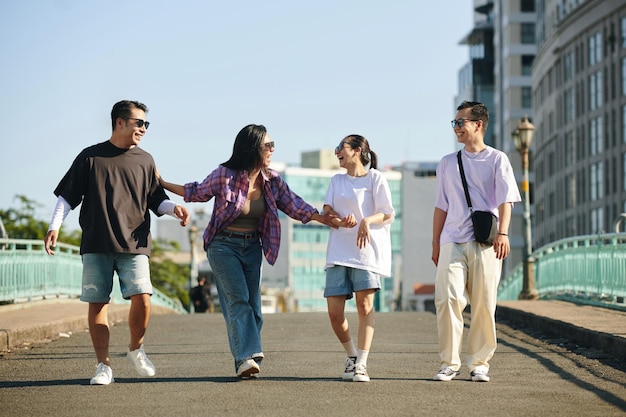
(230,187)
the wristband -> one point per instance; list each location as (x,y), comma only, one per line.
(502,234)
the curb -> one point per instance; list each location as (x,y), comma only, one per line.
(40,333)
(609,343)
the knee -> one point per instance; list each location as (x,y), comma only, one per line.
(336,317)
(365,308)
(140,299)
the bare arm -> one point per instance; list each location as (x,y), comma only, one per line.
(501,243)
(439,219)
(174,188)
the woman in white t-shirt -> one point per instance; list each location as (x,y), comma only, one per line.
(359,251)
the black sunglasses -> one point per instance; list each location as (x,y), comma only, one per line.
(340,146)
(269,146)
(140,122)
(459,122)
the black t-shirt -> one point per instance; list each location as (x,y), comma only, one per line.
(117,187)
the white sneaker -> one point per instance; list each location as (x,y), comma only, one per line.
(140,361)
(446,374)
(360,373)
(103,376)
(479,375)
(348,370)
(248,369)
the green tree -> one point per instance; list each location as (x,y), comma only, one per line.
(167,276)
(21,223)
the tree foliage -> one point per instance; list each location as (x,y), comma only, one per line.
(21,223)
(168,276)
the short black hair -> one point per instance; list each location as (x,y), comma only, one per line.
(122,109)
(478,111)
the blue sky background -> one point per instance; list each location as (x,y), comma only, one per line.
(311,72)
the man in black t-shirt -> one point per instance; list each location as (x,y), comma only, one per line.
(116,183)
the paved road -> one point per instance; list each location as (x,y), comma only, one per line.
(532,375)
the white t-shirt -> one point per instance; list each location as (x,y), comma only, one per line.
(490,182)
(363,197)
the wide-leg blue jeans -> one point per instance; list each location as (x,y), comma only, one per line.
(236,265)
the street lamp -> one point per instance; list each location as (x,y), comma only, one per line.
(522,138)
(193,270)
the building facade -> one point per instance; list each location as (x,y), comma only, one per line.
(579,89)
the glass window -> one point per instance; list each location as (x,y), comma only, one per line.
(596,186)
(527,97)
(597,220)
(595,90)
(596,144)
(528,33)
(527,5)
(568,66)
(569,105)
(624,76)
(624,124)
(527,64)
(595,48)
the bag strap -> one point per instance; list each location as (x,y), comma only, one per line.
(467,197)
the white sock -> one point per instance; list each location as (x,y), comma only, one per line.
(361,357)
(350,349)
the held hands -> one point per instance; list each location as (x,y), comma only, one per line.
(329,218)
(50,241)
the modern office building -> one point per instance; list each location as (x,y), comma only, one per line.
(579,98)
(476,78)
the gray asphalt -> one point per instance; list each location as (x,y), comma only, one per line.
(535,371)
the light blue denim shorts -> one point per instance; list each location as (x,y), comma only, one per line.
(133,271)
(344,280)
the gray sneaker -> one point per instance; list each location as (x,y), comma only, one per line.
(446,374)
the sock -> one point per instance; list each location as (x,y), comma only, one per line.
(361,357)
(350,349)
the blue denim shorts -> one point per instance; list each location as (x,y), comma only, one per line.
(133,271)
(344,280)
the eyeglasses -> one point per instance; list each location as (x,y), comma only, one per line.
(459,122)
(340,146)
(269,146)
(140,123)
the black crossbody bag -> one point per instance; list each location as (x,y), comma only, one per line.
(485,222)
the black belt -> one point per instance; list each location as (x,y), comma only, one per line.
(239,235)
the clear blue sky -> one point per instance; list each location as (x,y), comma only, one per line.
(311,72)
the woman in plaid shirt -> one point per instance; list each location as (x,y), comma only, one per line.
(244,225)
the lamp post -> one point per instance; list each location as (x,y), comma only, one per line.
(193,270)
(522,138)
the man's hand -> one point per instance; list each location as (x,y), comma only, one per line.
(182,213)
(50,241)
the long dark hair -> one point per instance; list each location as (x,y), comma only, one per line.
(248,149)
(368,156)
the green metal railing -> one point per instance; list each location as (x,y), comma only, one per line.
(584,269)
(28,273)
